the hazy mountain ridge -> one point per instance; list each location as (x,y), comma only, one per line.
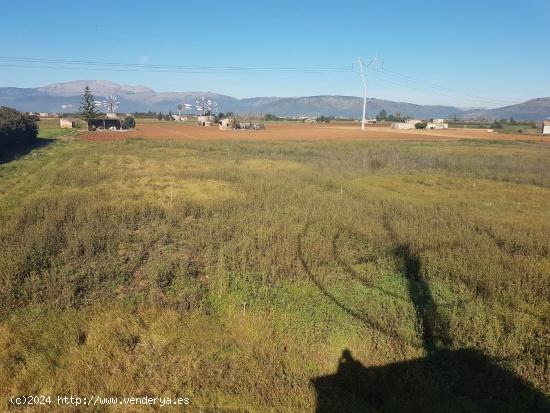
(65,97)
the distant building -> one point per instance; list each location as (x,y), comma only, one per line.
(546,127)
(228,124)
(66,123)
(437,124)
(408,124)
(205,120)
(107,123)
(402,125)
(411,124)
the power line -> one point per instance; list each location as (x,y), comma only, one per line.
(395,78)
(412,87)
(433,85)
(174,68)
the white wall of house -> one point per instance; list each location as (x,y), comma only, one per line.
(546,129)
(205,120)
(66,124)
(402,125)
(433,125)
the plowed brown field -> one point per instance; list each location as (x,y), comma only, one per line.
(276,132)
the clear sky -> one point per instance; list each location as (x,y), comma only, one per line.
(493,49)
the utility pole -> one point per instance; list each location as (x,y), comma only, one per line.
(364,78)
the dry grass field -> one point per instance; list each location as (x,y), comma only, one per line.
(300,132)
(302,268)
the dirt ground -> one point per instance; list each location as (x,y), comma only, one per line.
(299,132)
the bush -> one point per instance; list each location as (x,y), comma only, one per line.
(129,122)
(271,117)
(16,129)
(496,125)
(421,125)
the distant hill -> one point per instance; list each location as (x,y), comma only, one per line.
(534,109)
(65,97)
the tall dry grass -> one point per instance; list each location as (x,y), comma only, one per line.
(235,272)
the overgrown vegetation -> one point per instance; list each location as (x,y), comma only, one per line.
(129,122)
(421,125)
(234,273)
(17,130)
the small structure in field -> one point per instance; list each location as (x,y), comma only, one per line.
(106,123)
(372,121)
(228,124)
(241,123)
(437,124)
(546,127)
(206,120)
(408,124)
(66,123)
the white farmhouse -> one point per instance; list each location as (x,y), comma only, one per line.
(402,125)
(437,124)
(408,124)
(546,127)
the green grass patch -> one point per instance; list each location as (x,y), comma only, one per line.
(236,272)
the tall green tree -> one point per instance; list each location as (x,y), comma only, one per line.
(383,115)
(88,110)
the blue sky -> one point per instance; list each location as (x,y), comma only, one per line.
(491,49)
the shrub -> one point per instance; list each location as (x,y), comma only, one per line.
(496,125)
(271,117)
(421,125)
(16,129)
(129,122)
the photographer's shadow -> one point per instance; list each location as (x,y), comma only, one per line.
(444,380)
(447,381)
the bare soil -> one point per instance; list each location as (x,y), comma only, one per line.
(301,132)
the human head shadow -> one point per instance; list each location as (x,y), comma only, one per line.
(8,154)
(445,380)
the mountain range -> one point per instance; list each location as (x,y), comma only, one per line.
(65,97)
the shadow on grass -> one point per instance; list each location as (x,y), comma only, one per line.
(362,317)
(11,154)
(444,380)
